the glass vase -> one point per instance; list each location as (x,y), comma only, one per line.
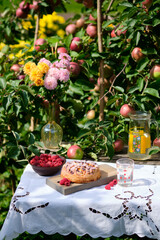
(52,133)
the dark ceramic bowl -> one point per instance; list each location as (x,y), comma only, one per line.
(47,171)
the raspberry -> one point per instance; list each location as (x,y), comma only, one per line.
(65,182)
(32,162)
(107,187)
(59,163)
(115,181)
(111,184)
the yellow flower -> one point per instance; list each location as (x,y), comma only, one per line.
(61,19)
(43,67)
(42,23)
(111,26)
(21,62)
(35,74)
(39,82)
(19,54)
(11,56)
(28,67)
(43,35)
(61,33)
(1,45)
(27,25)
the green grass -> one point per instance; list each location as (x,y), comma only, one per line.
(73,7)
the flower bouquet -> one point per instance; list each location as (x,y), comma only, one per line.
(50,77)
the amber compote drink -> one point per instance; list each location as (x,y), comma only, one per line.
(139,141)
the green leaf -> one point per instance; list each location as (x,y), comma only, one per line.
(53,40)
(140,83)
(6,102)
(31,138)
(142,64)
(138,37)
(13,152)
(83,133)
(133,89)
(110,150)
(74,54)
(156,22)
(34,150)
(85,85)
(152,91)
(126,4)
(24,98)
(120,89)
(2,83)
(68,40)
(16,108)
(153,150)
(76,89)
(8,31)
(26,88)
(16,135)
(93,155)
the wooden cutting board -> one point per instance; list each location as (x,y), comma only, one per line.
(108,173)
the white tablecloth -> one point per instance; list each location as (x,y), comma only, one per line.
(98,212)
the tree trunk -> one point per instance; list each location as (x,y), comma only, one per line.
(100,49)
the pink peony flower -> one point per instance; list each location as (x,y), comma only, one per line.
(64,75)
(53,72)
(64,63)
(55,64)
(50,83)
(64,56)
(46,61)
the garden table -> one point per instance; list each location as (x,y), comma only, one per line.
(98,212)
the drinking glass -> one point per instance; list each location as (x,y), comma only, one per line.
(125,168)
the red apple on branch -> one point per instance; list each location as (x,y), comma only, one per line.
(80,23)
(38,43)
(15,67)
(76,44)
(74,69)
(20,13)
(113,34)
(71,28)
(91,30)
(24,6)
(75,152)
(156,142)
(91,114)
(91,18)
(118,145)
(126,109)
(34,5)
(62,50)
(147,4)
(137,54)
(155,72)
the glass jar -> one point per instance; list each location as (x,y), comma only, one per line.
(139,136)
(52,133)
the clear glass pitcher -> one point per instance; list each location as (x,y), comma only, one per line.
(139,141)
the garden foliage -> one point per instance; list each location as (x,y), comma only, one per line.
(125,80)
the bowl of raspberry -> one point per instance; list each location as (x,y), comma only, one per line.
(47,164)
